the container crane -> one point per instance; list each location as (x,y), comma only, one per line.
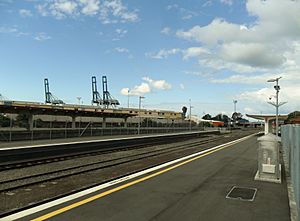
(108,99)
(49,97)
(96,95)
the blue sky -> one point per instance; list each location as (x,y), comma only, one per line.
(211,52)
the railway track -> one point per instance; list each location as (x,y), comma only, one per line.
(9,184)
(19,158)
(30,185)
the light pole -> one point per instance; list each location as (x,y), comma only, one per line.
(190,114)
(277,104)
(140,101)
(10,125)
(234,103)
(128,98)
(78,98)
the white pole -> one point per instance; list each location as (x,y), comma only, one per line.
(128,98)
(140,101)
(79,98)
(190,115)
(277,104)
(277,92)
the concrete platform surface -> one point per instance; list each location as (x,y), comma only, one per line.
(193,191)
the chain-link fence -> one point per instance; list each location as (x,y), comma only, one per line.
(290,135)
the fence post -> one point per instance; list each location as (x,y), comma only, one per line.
(10,126)
(50,132)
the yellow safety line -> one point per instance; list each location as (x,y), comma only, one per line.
(79,203)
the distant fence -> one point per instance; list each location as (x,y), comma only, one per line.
(56,133)
(290,135)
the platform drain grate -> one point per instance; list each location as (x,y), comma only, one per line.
(242,193)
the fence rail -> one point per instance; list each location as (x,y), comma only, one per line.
(88,131)
(290,136)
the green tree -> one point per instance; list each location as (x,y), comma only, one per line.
(206,117)
(4,121)
(22,120)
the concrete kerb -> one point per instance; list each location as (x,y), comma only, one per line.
(258,178)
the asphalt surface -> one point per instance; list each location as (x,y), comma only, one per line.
(194,191)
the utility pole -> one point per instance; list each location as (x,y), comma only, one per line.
(78,98)
(128,97)
(234,103)
(190,115)
(277,104)
(140,101)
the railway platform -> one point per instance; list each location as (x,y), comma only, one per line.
(47,142)
(196,187)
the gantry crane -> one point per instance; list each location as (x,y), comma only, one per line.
(107,99)
(96,95)
(49,97)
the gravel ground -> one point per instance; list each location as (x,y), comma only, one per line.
(38,173)
(37,193)
(11,174)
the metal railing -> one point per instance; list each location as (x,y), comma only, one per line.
(89,130)
(290,137)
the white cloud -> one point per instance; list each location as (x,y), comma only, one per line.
(121,32)
(174,6)
(198,73)
(13,31)
(90,7)
(215,63)
(163,53)
(147,87)
(269,34)
(182,87)
(8,30)
(186,53)
(227,2)
(186,17)
(194,52)
(166,30)
(259,98)
(187,14)
(63,8)
(114,11)
(122,50)
(125,91)
(252,52)
(207,3)
(244,79)
(108,11)
(158,84)
(262,44)
(42,9)
(25,13)
(217,31)
(249,110)
(184,13)
(141,89)
(138,90)
(41,36)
